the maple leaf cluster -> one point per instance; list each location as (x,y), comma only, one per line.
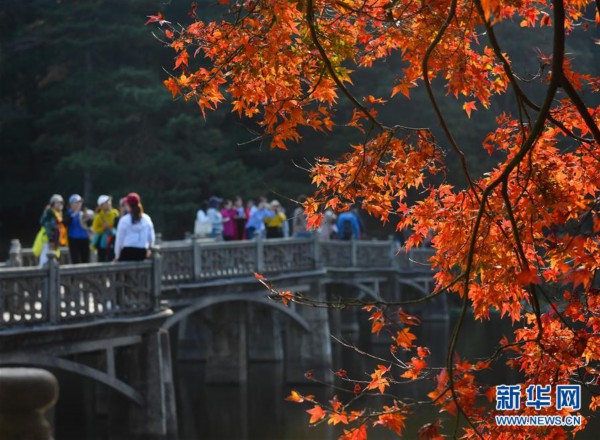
(522,240)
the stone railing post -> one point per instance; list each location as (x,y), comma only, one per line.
(316,251)
(260,255)
(158,238)
(393,250)
(15,257)
(353,251)
(156,277)
(187,236)
(197,258)
(25,395)
(53,289)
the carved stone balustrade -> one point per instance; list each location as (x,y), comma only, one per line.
(67,293)
(58,294)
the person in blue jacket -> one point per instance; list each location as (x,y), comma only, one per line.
(255,226)
(348,226)
(78,222)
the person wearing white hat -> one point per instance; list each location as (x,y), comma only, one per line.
(78,224)
(53,233)
(104,230)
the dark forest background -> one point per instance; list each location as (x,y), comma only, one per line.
(83,110)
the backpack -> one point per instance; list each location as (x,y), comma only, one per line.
(347,232)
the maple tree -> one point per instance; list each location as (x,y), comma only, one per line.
(522,239)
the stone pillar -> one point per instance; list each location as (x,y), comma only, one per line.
(265,341)
(309,350)
(156,277)
(316,243)
(190,336)
(53,289)
(158,415)
(197,255)
(25,395)
(353,250)
(226,351)
(260,254)
(15,258)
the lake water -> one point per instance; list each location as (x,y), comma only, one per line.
(258,411)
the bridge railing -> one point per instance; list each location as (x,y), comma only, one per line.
(67,293)
(62,294)
(200,260)
(195,260)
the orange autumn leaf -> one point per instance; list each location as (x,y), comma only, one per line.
(392,420)
(335,418)
(316,414)
(377,379)
(404,338)
(528,276)
(286,296)
(341,373)
(297,397)
(403,88)
(423,352)
(377,326)
(359,433)
(172,86)
(469,107)
(415,367)
(378,321)
(182,58)
(408,319)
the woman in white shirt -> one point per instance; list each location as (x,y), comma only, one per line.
(135,232)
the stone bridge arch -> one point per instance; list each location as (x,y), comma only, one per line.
(207,302)
(48,361)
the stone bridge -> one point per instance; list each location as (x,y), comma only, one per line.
(118,324)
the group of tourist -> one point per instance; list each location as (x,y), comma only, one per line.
(233,220)
(125,234)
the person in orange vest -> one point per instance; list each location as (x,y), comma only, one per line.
(54,230)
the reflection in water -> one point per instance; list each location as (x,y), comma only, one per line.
(253,411)
(258,411)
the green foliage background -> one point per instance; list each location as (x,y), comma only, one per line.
(83,109)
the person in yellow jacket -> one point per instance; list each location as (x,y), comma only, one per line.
(275,224)
(104,228)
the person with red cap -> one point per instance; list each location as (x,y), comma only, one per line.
(135,232)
